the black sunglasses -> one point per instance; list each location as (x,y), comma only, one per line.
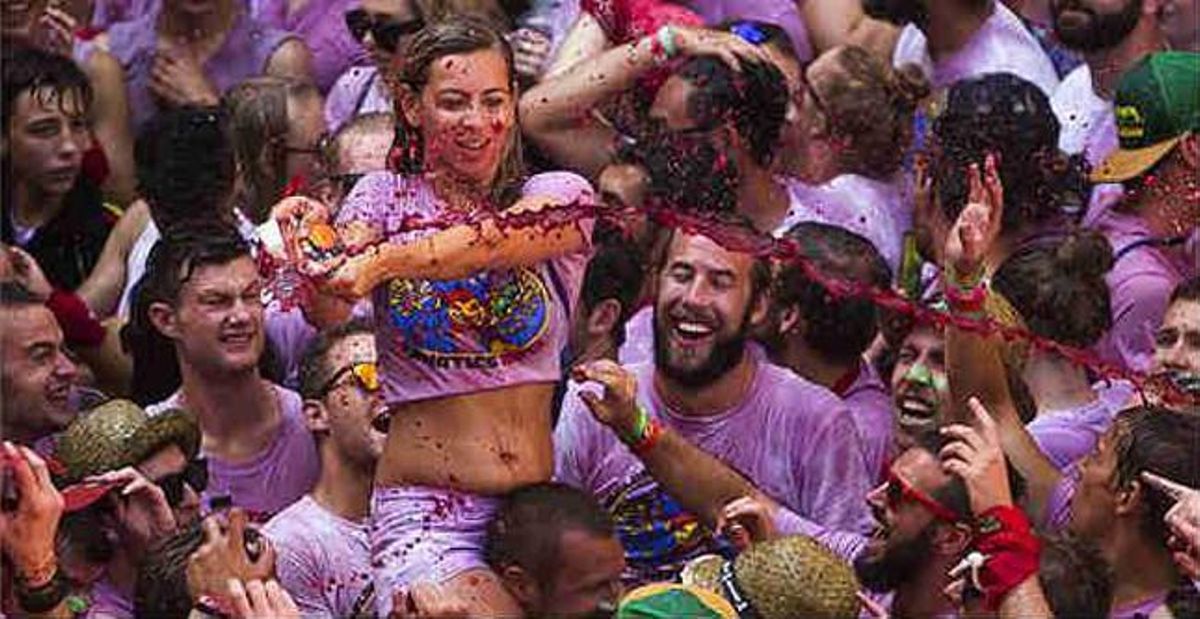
(386,32)
(194,475)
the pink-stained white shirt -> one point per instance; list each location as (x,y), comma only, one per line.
(1001,45)
(792,439)
(322,559)
(490,330)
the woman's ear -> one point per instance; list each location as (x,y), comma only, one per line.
(410,106)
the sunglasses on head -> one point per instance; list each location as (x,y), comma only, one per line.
(365,373)
(385,31)
(900,491)
(195,474)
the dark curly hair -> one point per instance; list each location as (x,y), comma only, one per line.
(838,328)
(754,99)
(185,165)
(1009,117)
(1059,288)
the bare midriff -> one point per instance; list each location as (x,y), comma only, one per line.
(487,442)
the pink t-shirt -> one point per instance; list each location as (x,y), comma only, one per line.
(1140,285)
(490,330)
(870,404)
(791,438)
(1001,45)
(323,560)
(273,479)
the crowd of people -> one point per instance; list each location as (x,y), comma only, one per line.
(600,308)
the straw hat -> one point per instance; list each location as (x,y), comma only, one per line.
(119,433)
(797,577)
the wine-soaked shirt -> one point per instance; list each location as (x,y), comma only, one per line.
(792,439)
(275,477)
(323,560)
(493,329)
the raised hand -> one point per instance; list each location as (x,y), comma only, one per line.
(975,231)
(1183,519)
(976,457)
(617,408)
(748,520)
(225,555)
(27,533)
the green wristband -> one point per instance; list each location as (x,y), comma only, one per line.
(639,427)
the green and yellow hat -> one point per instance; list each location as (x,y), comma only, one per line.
(1157,103)
(672,601)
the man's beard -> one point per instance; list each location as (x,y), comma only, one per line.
(1099,31)
(899,12)
(898,564)
(725,354)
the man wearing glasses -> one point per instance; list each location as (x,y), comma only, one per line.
(322,551)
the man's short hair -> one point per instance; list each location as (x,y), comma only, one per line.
(14,295)
(527,528)
(50,76)
(840,329)
(185,165)
(172,262)
(754,99)
(314,366)
(616,271)
(1075,576)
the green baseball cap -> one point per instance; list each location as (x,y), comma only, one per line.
(1158,102)
(672,601)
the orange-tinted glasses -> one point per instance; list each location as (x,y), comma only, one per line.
(365,373)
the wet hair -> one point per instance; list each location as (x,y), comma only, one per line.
(840,329)
(258,121)
(871,106)
(615,272)
(162,588)
(529,524)
(49,77)
(185,165)
(456,34)
(1006,115)
(1164,442)
(171,264)
(314,367)
(1059,288)
(754,99)
(1074,576)
(1187,290)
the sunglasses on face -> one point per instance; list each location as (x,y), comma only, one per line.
(365,373)
(900,491)
(386,32)
(194,475)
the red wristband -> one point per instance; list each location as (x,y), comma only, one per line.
(75,317)
(970,301)
(1004,536)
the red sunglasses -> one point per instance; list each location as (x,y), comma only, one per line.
(899,491)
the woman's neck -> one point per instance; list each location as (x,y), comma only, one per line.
(1056,384)
(462,195)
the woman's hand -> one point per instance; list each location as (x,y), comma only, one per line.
(975,231)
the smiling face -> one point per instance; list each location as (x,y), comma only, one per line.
(36,373)
(217,320)
(466,114)
(919,385)
(705,306)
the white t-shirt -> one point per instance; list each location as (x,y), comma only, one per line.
(869,208)
(1001,45)
(1088,123)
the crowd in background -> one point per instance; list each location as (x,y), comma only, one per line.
(600,308)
